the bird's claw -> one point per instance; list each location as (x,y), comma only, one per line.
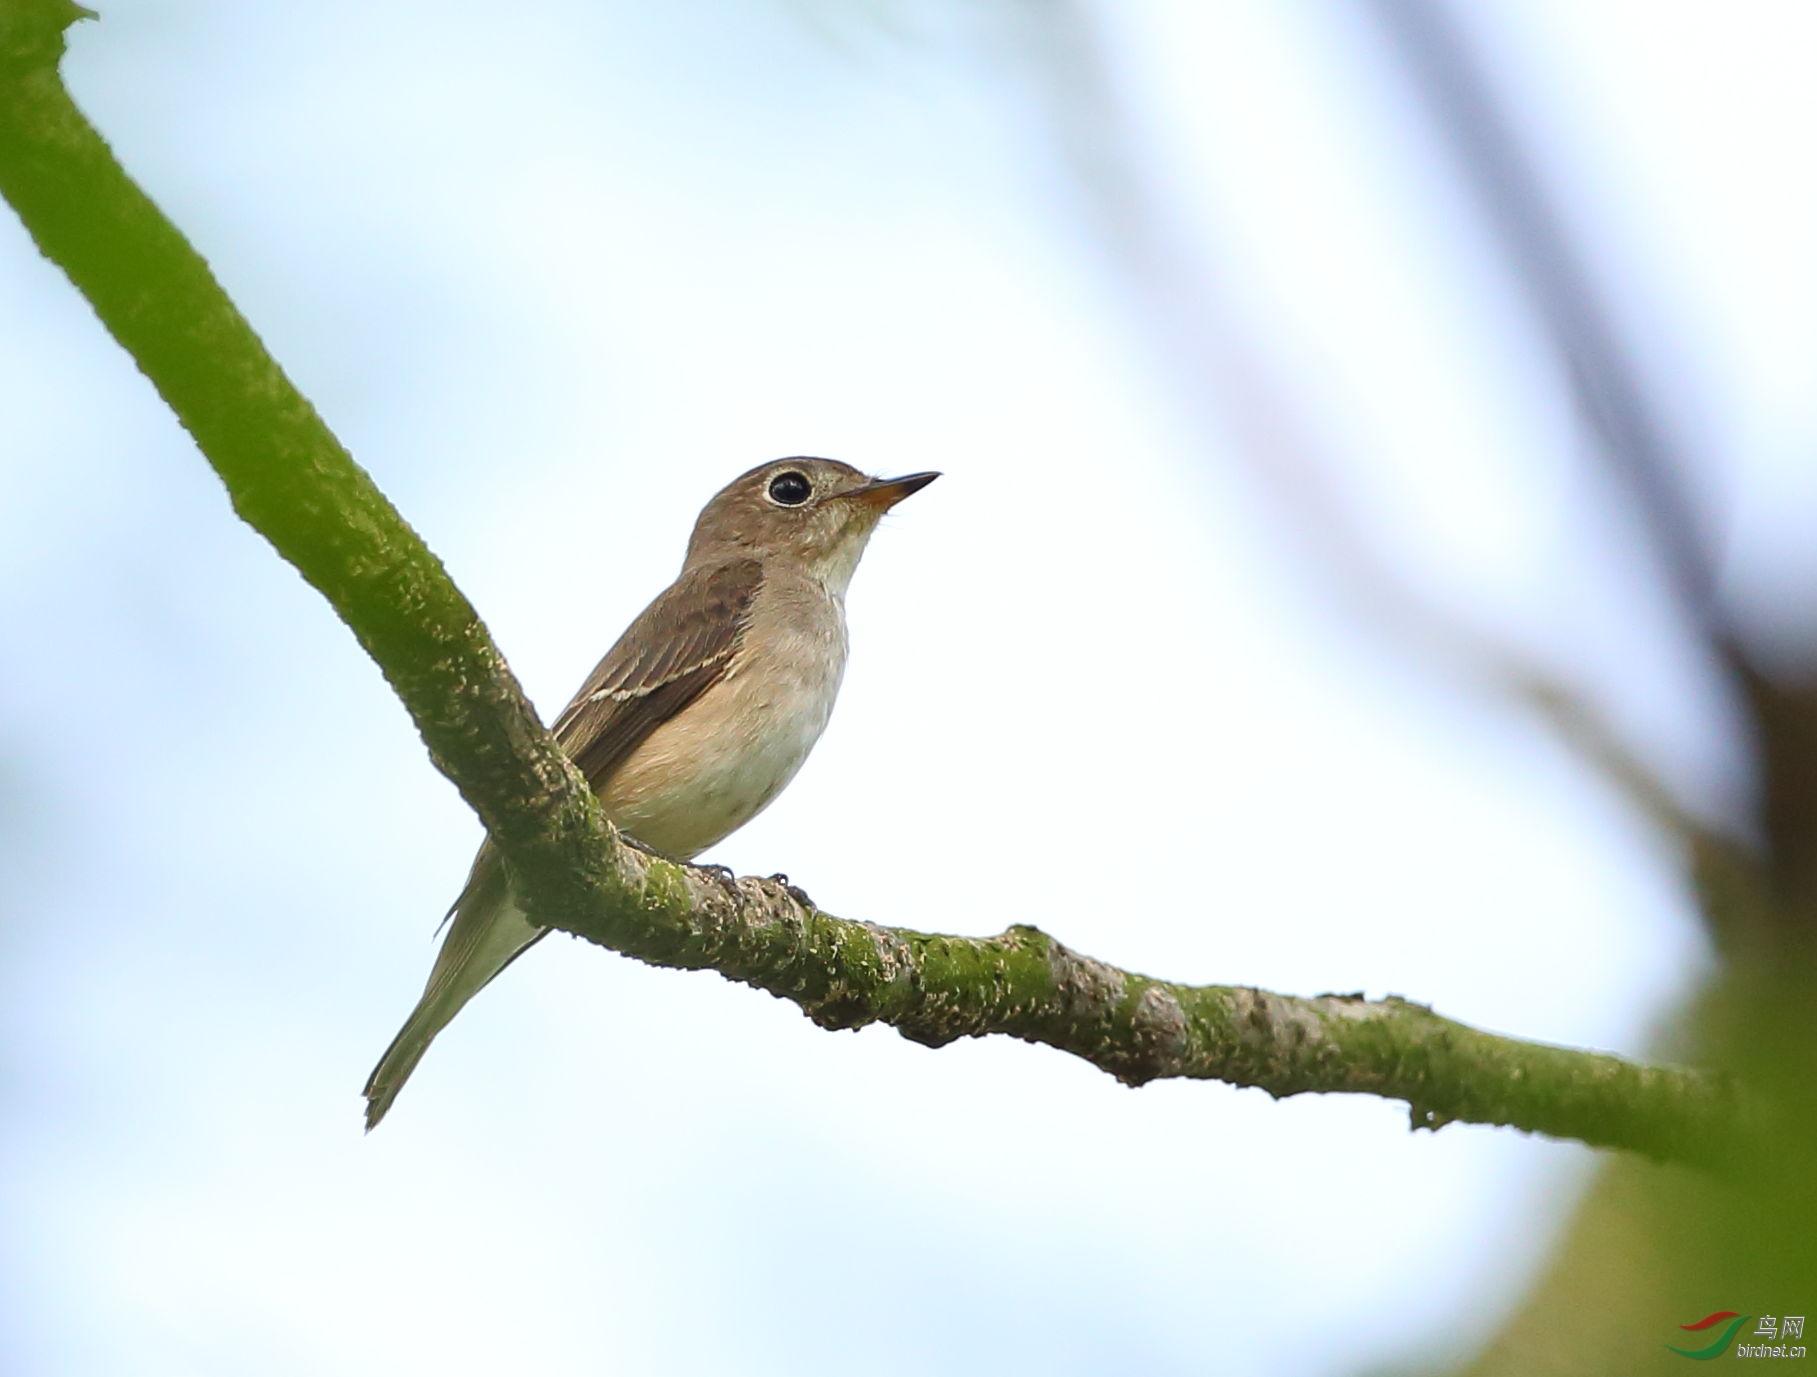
(795,891)
(724,874)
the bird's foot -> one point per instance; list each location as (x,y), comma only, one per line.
(796,892)
(647,849)
(723,873)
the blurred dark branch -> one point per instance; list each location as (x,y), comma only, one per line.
(1633,441)
(1784,715)
(1610,395)
(291,480)
(1224,374)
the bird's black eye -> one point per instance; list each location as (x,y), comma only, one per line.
(790,489)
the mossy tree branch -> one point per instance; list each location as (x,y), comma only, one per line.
(290,479)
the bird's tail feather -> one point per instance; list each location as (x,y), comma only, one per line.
(401,1057)
(489,933)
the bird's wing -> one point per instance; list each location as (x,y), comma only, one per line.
(678,648)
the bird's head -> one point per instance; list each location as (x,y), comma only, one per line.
(816,512)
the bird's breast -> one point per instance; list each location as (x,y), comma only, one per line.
(723,759)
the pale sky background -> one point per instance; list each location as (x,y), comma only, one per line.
(556,272)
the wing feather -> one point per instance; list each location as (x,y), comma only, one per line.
(676,649)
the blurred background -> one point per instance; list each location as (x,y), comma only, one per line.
(1267,349)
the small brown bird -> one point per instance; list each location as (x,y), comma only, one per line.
(701,713)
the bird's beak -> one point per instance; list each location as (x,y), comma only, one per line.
(884,493)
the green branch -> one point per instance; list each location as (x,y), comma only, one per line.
(291,480)
(287,475)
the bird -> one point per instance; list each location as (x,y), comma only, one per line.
(700,714)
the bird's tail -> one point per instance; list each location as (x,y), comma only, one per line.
(488,934)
